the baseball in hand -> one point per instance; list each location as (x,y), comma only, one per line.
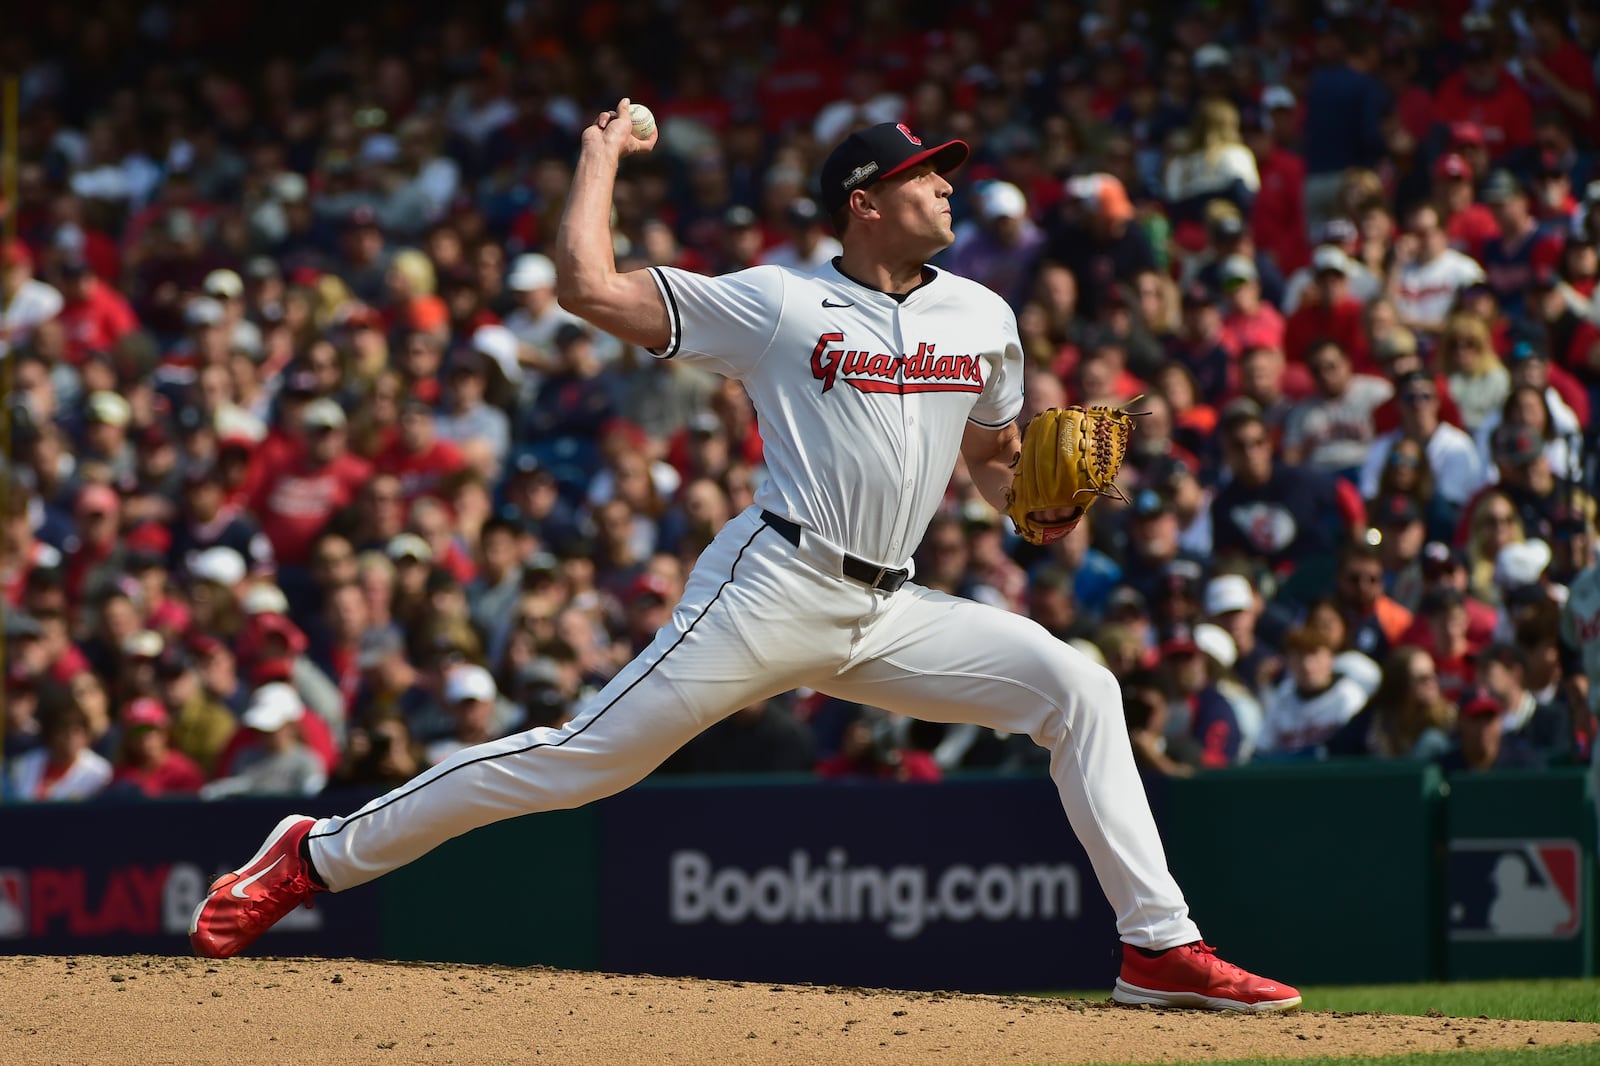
(644,123)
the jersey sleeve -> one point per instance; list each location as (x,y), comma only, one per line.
(1001,400)
(725,324)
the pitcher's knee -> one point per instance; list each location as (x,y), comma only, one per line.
(1093,692)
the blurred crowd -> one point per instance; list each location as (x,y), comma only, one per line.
(312,481)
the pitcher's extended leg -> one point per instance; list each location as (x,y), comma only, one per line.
(944,659)
(716,656)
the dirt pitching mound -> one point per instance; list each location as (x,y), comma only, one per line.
(111,1011)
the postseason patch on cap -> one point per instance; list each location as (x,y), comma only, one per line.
(860,174)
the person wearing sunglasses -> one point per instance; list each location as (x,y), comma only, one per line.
(1453,458)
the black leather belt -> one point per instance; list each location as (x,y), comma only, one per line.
(855,568)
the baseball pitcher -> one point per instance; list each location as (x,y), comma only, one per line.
(870,377)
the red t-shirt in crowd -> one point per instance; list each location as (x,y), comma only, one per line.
(1572,68)
(1504,113)
(177,774)
(1278,216)
(420,472)
(1471,228)
(1312,321)
(1262,329)
(97,323)
(295,504)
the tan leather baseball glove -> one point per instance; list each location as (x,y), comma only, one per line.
(1069,459)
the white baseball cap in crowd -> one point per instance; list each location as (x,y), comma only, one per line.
(1277,98)
(110,408)
(323,414)
(223,283)
(531,272)
(501,345)
(145,644)
(1216,642)
(233,422)
(1237,268)
(221,565)
(288,187)
(1208,56)
(1001,199)
(469,682)
(1330,257)
(1521,563)
(273,706)
(265,599)
(409,546)
(203,311)
(1228,592)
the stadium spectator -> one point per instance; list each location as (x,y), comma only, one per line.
(998,248)
(1312,702)
(1544,727)
(63,767)
(1483,92)
(1407,717)
(146,762)
(1477,379)
(810,247)
(1430,274)
(1345,105)
(1196,708)
(1451,455)
(1218,166)
(273,760)
(1481,740)
(1096,239)
(1331,431)
(1271,512)
(1373,620)
(27,302)
(293,387)
(1468,224)
(1513,257)
(1144,704)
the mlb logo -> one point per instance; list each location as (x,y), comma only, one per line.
(13,904)
(1515,889)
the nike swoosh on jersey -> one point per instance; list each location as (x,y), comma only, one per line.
(825,303)
(238,889)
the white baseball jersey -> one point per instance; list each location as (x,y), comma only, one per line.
(862,396)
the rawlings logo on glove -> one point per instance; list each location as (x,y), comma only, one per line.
(1069,459)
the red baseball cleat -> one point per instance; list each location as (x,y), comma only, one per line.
(1193,976)
(244,904)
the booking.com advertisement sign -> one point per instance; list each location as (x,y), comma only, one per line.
(978,885)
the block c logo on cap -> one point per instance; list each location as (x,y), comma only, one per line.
(912,137)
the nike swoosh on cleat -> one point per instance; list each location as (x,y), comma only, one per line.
(238,890)
(825,303)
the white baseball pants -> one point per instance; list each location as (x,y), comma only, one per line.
(760,617)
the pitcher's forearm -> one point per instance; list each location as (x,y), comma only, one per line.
(585,262)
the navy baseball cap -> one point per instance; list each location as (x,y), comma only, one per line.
(868,156)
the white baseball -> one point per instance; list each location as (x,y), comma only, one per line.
(644,123)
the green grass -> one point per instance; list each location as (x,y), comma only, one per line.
(1542,1000)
